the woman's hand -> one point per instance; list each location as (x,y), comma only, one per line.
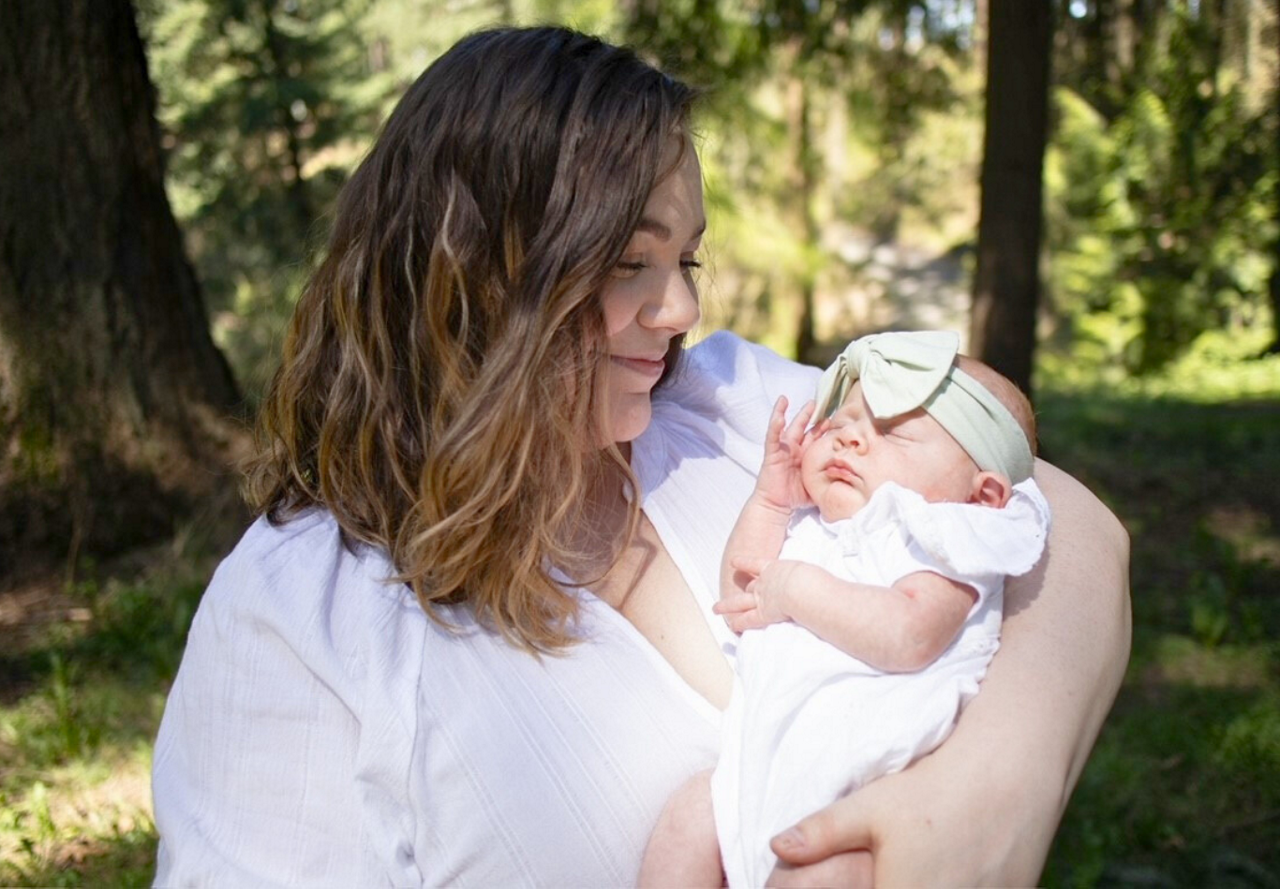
(779,485)
(983,808)
(922,827)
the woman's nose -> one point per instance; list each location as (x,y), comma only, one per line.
(676,306)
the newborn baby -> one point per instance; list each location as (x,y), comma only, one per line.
(865,574)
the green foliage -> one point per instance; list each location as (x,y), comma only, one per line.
(1161,219)
(901,74)
(265,103)
(815,113)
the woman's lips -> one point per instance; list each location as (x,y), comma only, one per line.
(647,367)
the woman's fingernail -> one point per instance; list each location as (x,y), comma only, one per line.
(791,838)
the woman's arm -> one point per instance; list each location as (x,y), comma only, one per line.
(984,807)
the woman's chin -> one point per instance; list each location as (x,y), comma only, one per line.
(628,424)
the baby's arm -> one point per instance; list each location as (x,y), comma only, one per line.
(762,525)
(896,629)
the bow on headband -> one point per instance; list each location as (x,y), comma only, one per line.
(904,371)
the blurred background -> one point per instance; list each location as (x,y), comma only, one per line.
(1087,190)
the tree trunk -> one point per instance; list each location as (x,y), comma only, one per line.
(113,397)
(1104,57)
(804,183)
(1273,283)
(299,194)
(980,18)
(1006,285)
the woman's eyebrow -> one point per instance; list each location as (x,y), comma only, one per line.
(654,227)
(662,231)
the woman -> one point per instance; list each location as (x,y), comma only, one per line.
(470,641)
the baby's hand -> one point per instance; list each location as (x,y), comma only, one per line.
(764,601)
(779,484)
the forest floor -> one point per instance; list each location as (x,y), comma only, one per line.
(1183,788)
(85,666)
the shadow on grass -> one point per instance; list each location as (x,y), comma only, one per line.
(1183,788)
(1198,487)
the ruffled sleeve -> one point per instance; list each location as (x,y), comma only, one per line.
(962,541)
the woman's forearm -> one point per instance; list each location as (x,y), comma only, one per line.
(1067,629)
(1063,655)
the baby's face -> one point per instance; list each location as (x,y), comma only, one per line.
(851,453)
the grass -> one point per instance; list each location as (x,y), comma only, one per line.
(1183,788)
(82,702)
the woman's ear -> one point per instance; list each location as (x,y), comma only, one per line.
(990,489)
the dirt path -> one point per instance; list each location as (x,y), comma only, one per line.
(880,286)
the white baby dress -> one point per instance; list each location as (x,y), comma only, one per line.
(807,723)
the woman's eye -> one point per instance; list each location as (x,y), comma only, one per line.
(690,264)
(624,268)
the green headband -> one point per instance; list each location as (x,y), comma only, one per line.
(904,371)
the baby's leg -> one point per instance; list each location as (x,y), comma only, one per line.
(683,851)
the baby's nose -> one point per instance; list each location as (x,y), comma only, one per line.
(848,437)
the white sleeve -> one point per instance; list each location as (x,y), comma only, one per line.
(737,382)
(970,544)
(283,754)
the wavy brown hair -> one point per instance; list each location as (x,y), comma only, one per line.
(437,387)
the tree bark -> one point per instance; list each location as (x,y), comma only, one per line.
(1273,282)
(1104,57)
(113,397)
(1006,287)
(803,176)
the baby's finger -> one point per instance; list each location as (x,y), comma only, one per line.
(748,620)
(816,430)
(749,565)
(778,418)
(734,604)
(795,431)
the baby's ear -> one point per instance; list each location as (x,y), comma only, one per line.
(990,489)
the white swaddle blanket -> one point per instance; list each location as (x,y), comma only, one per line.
(807,723)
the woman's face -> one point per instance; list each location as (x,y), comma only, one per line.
(651,297)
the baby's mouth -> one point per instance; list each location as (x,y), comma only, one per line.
(838,470)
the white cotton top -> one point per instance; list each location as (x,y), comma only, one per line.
(323,732)
(808,723)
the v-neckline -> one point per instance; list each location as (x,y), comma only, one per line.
(679,556)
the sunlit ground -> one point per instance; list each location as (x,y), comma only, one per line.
(80,707)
